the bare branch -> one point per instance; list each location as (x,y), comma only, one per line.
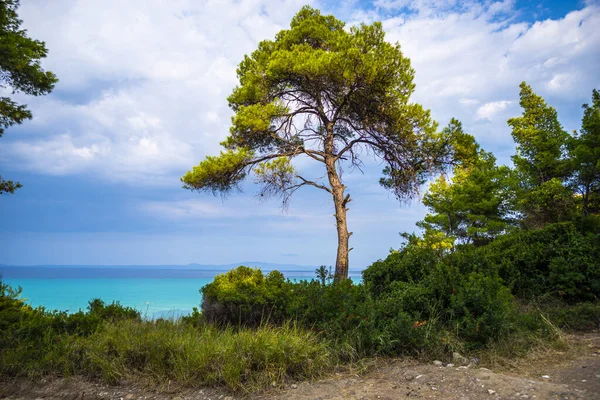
(307,182)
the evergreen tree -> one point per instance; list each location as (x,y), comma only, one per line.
(474,205)
(326,94)
(540,163)
(20,71)
(585,154)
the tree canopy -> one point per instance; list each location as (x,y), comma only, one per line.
(328,94)
(20,71)
(585,156)
(473,206)
(541,161)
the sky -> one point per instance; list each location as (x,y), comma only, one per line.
(142,99)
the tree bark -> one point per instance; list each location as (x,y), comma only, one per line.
(340,202)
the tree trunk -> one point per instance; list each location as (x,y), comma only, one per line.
(340,202)
(341,262)
(585,197)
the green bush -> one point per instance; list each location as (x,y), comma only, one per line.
(560,261)
(244,296)
(481,310)
(410,264)
(443,295)
(112,312)
(557,261)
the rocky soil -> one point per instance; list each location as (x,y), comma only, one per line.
(572,375)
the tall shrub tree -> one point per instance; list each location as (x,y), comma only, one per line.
(585,155)
(329,95)
(540,161)
(474,206)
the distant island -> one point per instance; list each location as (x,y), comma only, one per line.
(147,271)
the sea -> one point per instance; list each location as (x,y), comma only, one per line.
(165,291)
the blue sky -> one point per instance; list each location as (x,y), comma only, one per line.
(141,99)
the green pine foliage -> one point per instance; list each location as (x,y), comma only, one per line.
(541,162)
(540,138)
(585,157)
(20,72)
(326,93)
(474,206)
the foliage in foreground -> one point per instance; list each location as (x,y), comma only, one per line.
(113,344)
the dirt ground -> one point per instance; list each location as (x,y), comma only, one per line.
(572,375)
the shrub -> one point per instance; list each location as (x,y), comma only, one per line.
(557,261)
(411,264)
(244,296)
(112,312)
(481,309)
(475,306)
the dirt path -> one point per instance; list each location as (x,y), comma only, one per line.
(399,380)
(570,377)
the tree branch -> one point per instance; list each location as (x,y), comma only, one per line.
(311,183)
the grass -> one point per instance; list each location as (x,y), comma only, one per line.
(242,360)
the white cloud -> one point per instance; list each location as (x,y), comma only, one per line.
(68,157)
(469,102)
(490,110)
(143,85)
(145,81)
(467,55)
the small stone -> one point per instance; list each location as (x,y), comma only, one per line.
(449,365)
(274,384)
(545,377)
(294,386)
(583,380)
(433,388)
(524,396)
(490,391)
(458,359)
(129,397)
(418,376)
(438,363)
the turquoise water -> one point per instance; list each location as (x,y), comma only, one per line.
(153,297)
